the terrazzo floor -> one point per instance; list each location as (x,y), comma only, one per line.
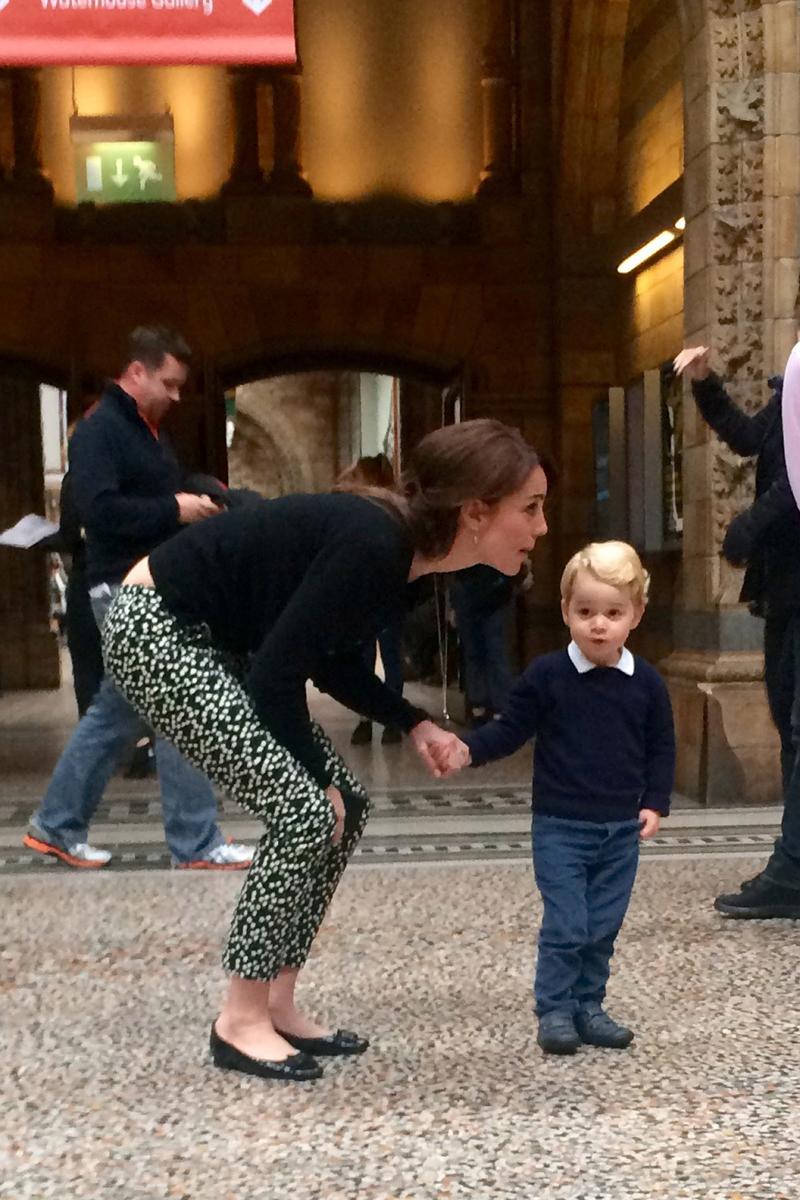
(109,983)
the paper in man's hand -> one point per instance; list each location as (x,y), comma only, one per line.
(27,532)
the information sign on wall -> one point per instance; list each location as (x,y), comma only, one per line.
(119,161)
(145,32)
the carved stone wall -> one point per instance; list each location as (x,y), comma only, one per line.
(741,270)
(741,247)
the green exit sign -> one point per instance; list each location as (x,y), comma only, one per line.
(118,165)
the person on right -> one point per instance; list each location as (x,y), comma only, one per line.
(765,539)
(604,765)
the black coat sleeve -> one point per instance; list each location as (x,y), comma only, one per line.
(517,723)
(347,678)
(742,432)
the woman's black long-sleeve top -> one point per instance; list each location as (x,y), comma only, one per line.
(300,584)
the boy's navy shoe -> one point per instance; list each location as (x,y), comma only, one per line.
(596,1028)
(557,1033)
(759,899)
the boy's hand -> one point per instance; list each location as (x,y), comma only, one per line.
(649,821)
(453,757)
(693,363)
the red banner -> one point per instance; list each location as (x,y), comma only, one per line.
(146,32)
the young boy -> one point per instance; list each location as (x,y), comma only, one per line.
(603,769)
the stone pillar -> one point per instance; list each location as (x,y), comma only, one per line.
(25,117)
(245,174)
(498,99)
(741,267)
(286,177)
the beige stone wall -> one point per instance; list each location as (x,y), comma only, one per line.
(650,160)
(287,434)
(655,316)
(651,108)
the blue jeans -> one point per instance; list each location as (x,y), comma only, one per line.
(585,873)
(487,670)
(109,728)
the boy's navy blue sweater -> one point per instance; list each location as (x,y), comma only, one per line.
(605,741)
(124,480)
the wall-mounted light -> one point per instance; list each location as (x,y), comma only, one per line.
(651,248)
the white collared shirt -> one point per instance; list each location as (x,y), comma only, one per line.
(582,664)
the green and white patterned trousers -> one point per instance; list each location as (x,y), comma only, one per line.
(190,694)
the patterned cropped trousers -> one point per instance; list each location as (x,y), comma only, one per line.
(189,692)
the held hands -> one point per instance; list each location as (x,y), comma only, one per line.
(442,752)
(194,508)
(337,804)
(693,363)
(649,821)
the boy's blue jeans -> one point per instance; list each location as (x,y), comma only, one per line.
(585,873)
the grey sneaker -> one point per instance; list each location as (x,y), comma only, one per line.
(557,1033)
(596,1028)
(228,856)
(77,854)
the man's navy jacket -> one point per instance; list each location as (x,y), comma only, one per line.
(124,480)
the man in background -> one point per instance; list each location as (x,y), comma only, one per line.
(126,485)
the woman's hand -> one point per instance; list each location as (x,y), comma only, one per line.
(337,804)
(435,747)
(693,363)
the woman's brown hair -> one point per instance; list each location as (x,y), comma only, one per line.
(474,460)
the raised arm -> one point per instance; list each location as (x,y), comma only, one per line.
(739,430)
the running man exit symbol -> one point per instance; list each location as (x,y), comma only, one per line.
(125,172)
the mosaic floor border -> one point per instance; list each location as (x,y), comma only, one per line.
(430,848)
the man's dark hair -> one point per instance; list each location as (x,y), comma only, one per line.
(150,344)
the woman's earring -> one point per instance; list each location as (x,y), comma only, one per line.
(474,539)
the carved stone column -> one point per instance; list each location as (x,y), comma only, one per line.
(26,133)
(498,99)
(286,177)
(245,174)
(741,265)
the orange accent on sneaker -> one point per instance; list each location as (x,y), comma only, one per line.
(46,848)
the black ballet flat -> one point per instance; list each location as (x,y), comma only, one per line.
(342,1042)
(298,1068)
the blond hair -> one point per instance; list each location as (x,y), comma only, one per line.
(615,563)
